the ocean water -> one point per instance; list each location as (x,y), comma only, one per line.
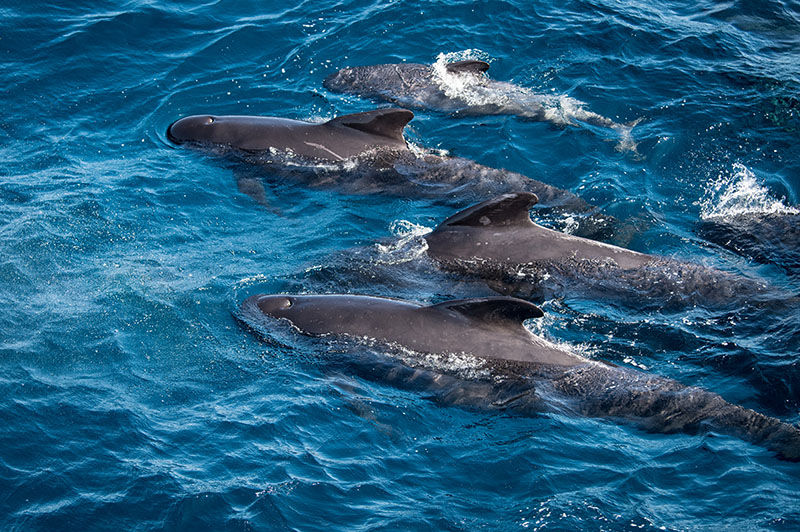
(131,397)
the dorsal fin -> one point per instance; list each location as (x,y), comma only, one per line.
(384,122)
(508,209)
(498,309)
(472,65)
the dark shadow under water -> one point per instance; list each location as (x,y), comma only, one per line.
(451,181)
(766,238)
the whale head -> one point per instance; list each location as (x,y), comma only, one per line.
(198,128)
(275,306)
(312,314)
(244,132)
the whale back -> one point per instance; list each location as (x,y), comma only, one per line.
(501,230)
(488,328)
(388,123)
(503,211)
(338,139)
(493,311)
(471,66)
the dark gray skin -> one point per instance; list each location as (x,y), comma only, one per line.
(486,327)
(768,238)
(366,153)
(463,88)
(527,374)
(342,138)
(497,241)
(411,85)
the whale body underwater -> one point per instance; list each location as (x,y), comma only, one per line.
(497,241)
(524,373)
(366,153)
(462,88)
(771,238)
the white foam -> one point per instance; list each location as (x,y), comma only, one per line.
(404,229)
(409,245)
(564,110)
(476,90)
(738,192)
(464,365)
(421,151)
(469,88)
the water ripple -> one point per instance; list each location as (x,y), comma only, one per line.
(133,398)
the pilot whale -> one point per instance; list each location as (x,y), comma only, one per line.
(772,238)
(526,373)
(342,138)
(366,153)
(497,241)
(463,88)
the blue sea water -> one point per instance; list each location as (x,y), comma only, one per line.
(131,398)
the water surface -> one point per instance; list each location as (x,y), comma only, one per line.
(133,399)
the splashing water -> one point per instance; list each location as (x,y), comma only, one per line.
(739,193)
(471,89)
(463,365)
(476,91)
(409,244)
(406,229)
(479,92)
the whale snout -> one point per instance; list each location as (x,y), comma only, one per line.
(274,306)
(170,135)
(190,128)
